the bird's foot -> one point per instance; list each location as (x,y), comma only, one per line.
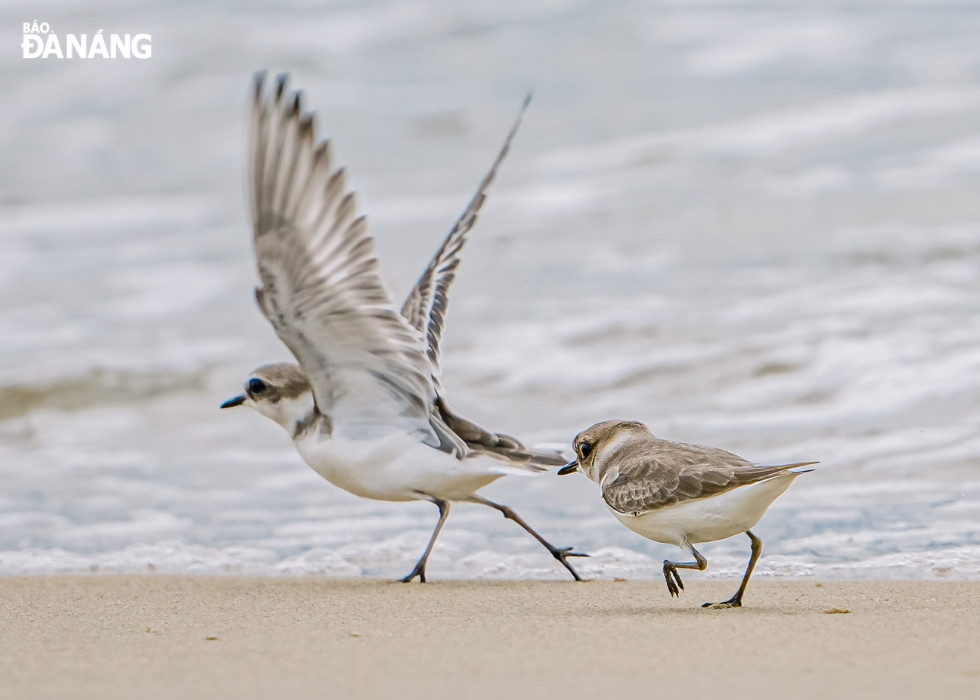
(560,553)
(725,605)
(674,583)
(417,572)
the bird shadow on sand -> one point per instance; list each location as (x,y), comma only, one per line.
(665,610)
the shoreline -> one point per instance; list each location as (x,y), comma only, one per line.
(157,635)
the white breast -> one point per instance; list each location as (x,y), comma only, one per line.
(395,467)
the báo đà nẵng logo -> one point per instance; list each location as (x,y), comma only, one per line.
(41,42)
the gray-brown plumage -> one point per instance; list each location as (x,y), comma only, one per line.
(678,493)
(651,473)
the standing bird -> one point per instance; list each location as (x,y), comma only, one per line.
(364,407)
(679,494)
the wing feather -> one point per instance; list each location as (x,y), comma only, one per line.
(673,472)
(320,286)
(426,307)
(427,303)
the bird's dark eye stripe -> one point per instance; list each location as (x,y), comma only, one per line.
(256,386)
(585,449)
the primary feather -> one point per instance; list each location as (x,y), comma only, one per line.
(321,290)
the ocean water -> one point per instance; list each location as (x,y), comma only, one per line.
(745,224)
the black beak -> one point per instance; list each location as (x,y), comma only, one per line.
(231,403)
(569,468)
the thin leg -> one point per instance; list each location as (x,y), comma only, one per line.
(674,583)
(419,569)
(736,600)
(558,553)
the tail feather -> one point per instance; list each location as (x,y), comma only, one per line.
(797,468)
(755,474)
(502,445)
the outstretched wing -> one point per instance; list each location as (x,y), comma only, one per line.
(677,474)
(426,305)
(321,290)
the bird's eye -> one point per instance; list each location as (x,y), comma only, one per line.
(585,449)
(256,386)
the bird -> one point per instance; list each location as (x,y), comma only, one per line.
(680,494)
(364,406)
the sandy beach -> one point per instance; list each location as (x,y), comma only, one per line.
(159,636)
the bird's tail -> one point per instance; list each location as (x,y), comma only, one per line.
(507,447)
(798,468)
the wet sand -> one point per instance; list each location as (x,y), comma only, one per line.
(160,636)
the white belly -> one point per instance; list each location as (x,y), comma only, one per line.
(396,467)
(709,519)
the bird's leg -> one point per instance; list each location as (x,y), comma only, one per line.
(674,583)
(559,553)
(736,600)
(419,569)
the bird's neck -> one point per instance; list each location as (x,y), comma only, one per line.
(606,458)
(311,422)
(295,415)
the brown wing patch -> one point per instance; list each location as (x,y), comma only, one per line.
(668,472)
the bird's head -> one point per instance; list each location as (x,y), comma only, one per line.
(598,439)
(280,392)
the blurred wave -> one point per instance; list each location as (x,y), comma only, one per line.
(97,387)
